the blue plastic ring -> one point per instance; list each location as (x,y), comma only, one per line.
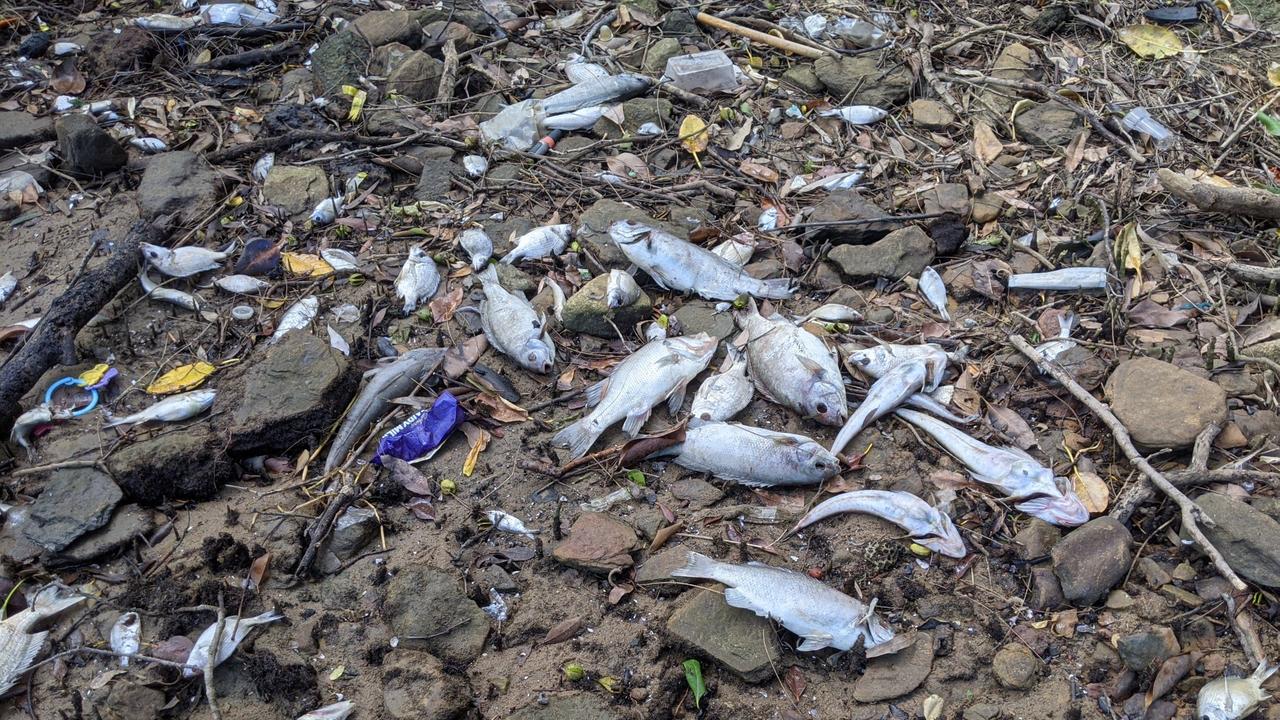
(93,395)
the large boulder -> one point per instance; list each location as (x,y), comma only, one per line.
(178,182)
(1092,559)
(1248,539)
(1162,405)
(903,252)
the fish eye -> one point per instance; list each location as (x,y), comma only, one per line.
(533,357)
(821,408)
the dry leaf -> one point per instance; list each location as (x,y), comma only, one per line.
(183,377)
(628,165)
(693,134)
(67,80)
(422,509)
(260,257)
(501,410)
(986,146)
(1150,41)
(661,537)
(1128,252)
(408,476)
(443,307)
(305,265)
(933,707)
(564,630)
(481,442)
(795,682)
(1273,74)
(1170,674)
(740,136)
(1009,423)
(759,172)
(1093,492)
(258,570)
(1150,314)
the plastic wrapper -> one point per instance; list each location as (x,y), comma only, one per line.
(423,433)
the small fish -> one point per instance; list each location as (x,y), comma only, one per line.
(8,283)
(753,456)
(18,645)
(503,522)
(877,360)
(340,260)
(478,246)
(595,91)
(475,165)
(888,392)
(28,421)
(557,296)
(149,145)
(928,526)
(681,266)
(661,370)
(298,317)
(418,280)
(579,119)
(578,70)
(263,166)
(337,711)
(768,220)
(126,636)
(1233,698)
(834,313)
(622,290)
(184,261)
(513,327)
(161,22)
(823,616)
(234,630)
(171,409)
(497,607)
(935,291)
(735,251)
(242,284)
(793,368)
(724,394)
(326,211)
(539,243)
(857,114)
(183,300)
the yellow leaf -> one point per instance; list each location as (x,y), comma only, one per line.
(1092,491)
(184,377)
(469,466)
(1128,252)
(305,265)
(357,106)
(693,134)
(986,146)
(1150,41)
(337,672)
(1273,74)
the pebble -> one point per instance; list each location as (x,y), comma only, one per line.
(1091,559)
(598,543)
(1015,667)
(895,675)
(1142,651)
(735,639)
(903,252)
(428,610)
(931,114)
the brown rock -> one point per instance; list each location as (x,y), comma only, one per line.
(895,675)
(947,198)
(900,253)
(931,114)
(850,205)
(986,206)
(1015,667)
(1092,559)
(417,77)
(597,542)
(1161,405)
(1047,124)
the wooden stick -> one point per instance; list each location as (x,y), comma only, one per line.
(1142,492)
(1192,515)
(765,38)
(1227,200)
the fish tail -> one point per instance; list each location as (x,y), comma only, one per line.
(777,289)
(487,274)
(578,437)
(266,617)
(697,566)
(1264,671)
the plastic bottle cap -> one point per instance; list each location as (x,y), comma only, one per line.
(242,312)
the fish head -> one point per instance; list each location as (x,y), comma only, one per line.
(1223,699)
(1064,509)
(819,461)
(945,539)
(417,254)
(537,356)
(627,232)
(825,402)
(154,253)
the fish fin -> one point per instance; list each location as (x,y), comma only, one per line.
(266,617)
(811,365)
(596,392)
(631,426)
(764,391)
(578,437)
(676,400)
(35,644)
(1264,672)
(227,250)
(734,597)
(815,641)
(697,565)
(509,259)
(777,289)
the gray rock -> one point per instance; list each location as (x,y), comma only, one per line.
(185,463)
(802,77)
(75,501)
(515,279)
(178,182)
(296,189)
(1145,650)
(655,60)
(293,81)
(87,149)
(765,269)
(697,492)
(861,81)
(1036,539)
(18,129)
(128,523)
(1015,62)
(420,688)
(569,706)
(903,252)
(698,316)
(1015,667)
(739,640)
(123,699)
(850,205)
(1046,590)
(593,228)
(1162,405)
(1092,559)
(588,311)
(1154,575)
(417,77)
(1258,424)
(636,112)
(387,57)
(427,610)
(498,579)
(655,572)
(982,711)
(382,27)
(340,59)
(598,543)
(880,315)
(1248,539)
(891,676)
(931,115)
(353,529)
(947,198)
(986,206)
(1048,124)
(437,174)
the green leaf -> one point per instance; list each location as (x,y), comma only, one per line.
(1270,124)
(636,477)
(693,676)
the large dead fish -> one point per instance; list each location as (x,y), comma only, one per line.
(18,645)
(793,367)
(382,384)
(879,360)
(823,616)
(753,456)
(1013,472)
(681,266)
(234,630)
(724,394)
(1233,698)
(928,526)
(514,327)
(661,370)
(184,261)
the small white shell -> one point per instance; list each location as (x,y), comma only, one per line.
(149,144)
(475,165)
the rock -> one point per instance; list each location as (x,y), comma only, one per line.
(1046,591)
(426,603)
(1048,124)
(1146,650)
(931,114)
(498,579)
(802,77)
(697,492)
(185,463)
(437,173)
(1015,667)
(417,77)
(87,149)
(850,205)
(657,570)
(382,27)
(588,311)
(353,529)
(387,57)
(598,543)
(440,32)
(1015,62)
(1248,539)
(420,688)
(737,639)
(880,315)
(570,706)
(293,393)
(698,316)
(294,82)
(515,279)
(296,189)
(636,112)
(982,711)
(986,206)
(1119,600)
(18,129)
(947,198)
(74,501)
(593,228)
(1084,365)
(1154,575)
(340,59)
(127,523)
(115,50)
(1236,383)
(903,252)
(891,676)
(860,80)
(178,182)
(123,699)
(764,269)
(826,277)
(1036,539)
(1258,424)
(1162,405)
(655,60)
(1091,559)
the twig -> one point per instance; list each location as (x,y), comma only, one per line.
(1228,200)
(249,58)
(1255,273)
(210,661)
(297,136)
(1246,122)
(1204,446)
(1141,492)
(970,35)
(925,52)
(764,38)
(449,75)
(1192,515)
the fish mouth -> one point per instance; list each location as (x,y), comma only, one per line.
(951,545)
(627,231)
(1064,511)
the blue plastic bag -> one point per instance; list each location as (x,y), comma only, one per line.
(423,433)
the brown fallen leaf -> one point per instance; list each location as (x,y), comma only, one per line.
(1093,491)
(661,537)
(408,477)
(67,80)
(1009,423)
(759,172)
(260,257)
(794,680)
(175,649)
(628,165)
(443,307)
(564,630)
(258,570)
(422,509)
(1149,314)
(501,410)
(986,146)
(1170,674)
(618,592)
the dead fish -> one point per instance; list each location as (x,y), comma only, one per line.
(184,261)
(28,421)
(1233,698)
(263,166)
(513,327)
(1051,349)
(834,313)
(1010,470)
(326,211)
(337,711)
(340,260)
(475,165)
(793,367)
(622,290)
(389,380)
(735,251)
(579,119)
(935,291)
(857,114)
(724,394)
(681,266)
(478,246)
(242,284)
(171,409)
(557,296)
(234,630)
(753,456)
(539,243)
(182,299)
(161,22)
(149,145)
(298,317)
(886,393)
(928,526)
(877,360)
(8,283)
(418,280)
(595,91)
(126,636)
(823,616)
(504,522)
(18,645)
(661,370)
(496,382)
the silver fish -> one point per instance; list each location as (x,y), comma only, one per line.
(857,114)
(242,284)
(735,251)
(557,297)
(184,261)
(753,456)
(935,406)
(579,119)
(161,22)
(299,316)
(877,360)
(503,522)
(326,211)
(126,636)
(724,394)
(18,645)
(149,144)
(1233,698)
(886,393)
(168,295)
(1081,279)
(28,421)
(793,368)
(661,370)
(681,266)
(928,526)
(8,283)
(171,409)
(596,91)
(539,243)
(263,166)
(513,327)
(935,291)
(418,280)
(834,313)
(823,616)
(340,260)
(478,245)
(382,384)
(578,70)
(234,630)
(622,289)
(337,711)
(1010,470)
